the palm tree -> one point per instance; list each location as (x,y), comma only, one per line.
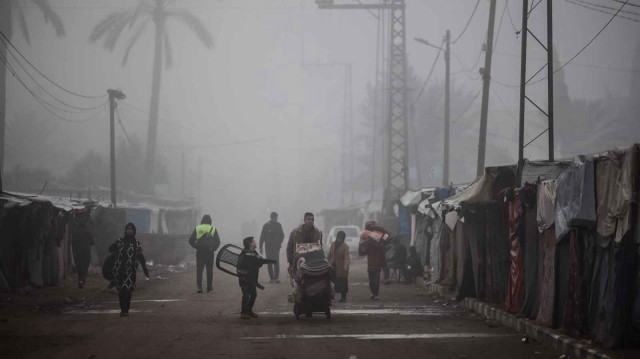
(9,9)
(159,13)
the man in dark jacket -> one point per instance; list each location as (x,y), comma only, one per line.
(372,243)
(81,242)
(271,237)
(206,240)
(249,264)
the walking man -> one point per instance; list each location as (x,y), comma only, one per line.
(305,233)
(372,242)
(206,240)
(271,237)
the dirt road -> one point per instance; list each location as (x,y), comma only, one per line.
(169,320)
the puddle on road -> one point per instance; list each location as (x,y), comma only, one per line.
(384,336)
(106,311)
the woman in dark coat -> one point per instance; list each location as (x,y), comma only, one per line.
(129,255)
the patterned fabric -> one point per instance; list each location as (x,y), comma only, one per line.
(124,268)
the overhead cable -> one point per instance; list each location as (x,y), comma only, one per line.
(468,22)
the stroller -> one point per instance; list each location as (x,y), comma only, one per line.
(313,289)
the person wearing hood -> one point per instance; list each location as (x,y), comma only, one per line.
(129,254)
(305,233)
(339,258)
(206,240)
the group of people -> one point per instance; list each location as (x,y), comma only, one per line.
(128,255)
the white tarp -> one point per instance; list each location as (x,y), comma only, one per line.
(546,204)
(576,195)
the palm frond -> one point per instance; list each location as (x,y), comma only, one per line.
(50,15)
(22,21)
(133,41)
(194,23)
(142,8)
(110,28)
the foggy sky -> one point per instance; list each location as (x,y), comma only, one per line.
(251,88)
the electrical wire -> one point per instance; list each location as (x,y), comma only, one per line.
(468,22)
(620,1)
(80,109)
(607,7)
(511,19)
(44,103)
(426,80)
(585,46)
(45,76)
(594,8)
(122,126)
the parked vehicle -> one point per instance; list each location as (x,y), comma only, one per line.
(352,237)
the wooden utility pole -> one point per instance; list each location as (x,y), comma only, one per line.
(113,96)
(482,140)
(447,107)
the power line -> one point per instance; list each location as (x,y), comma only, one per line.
(81,109)
(595,7)
(424,85)
(585,46)
(44,103)
(122,126)
(619,1)
(45,76)
(575,64)
(511,19)
(468,22)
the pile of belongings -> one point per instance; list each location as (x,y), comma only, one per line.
(312,271)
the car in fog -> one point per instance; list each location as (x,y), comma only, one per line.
(352,238)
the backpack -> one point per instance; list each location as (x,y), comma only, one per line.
(208,242)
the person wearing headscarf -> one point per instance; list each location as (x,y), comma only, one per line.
(129,256)
(339,259)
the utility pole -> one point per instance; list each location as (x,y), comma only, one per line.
(397,173)
(113,96)
(523,77)
(482,141)
(447,108)
(550,74)
(526,13)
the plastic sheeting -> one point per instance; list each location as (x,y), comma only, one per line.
(541,170)
(576,199)
(546,296)
(497,253)
(546,206)
(616,183)
(515,288)
(435,252)
(530,303)
(141,218)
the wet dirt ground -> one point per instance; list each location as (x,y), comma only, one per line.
(170,320)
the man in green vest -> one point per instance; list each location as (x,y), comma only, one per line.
(206,240)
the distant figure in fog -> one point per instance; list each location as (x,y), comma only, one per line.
(271,237)
(413,269)
(339,259)
(81,242)
(129,255)
(206,240)
(249,264)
